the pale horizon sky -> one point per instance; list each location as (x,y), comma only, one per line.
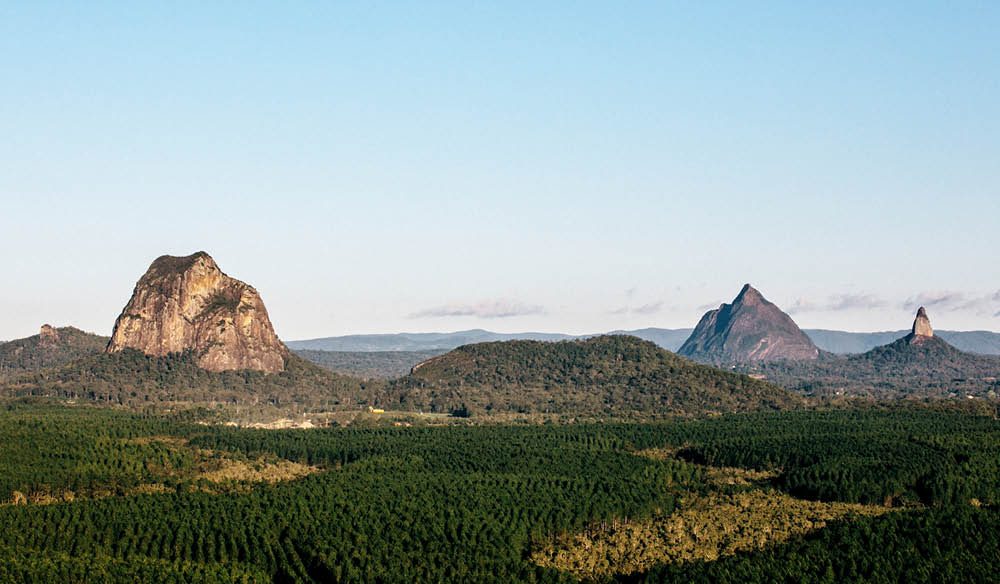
(570,167)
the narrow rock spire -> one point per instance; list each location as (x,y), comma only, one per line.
(922,324)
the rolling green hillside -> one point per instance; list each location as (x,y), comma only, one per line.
(134,379)
(601,376)
(52,348)
(931,368)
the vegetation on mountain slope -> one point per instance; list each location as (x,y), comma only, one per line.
(601,376)
(133,379)
(52,348)
(932,368)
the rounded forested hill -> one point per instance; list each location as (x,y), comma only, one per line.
(601,376)
(926,368)
(134,379)
(51,347)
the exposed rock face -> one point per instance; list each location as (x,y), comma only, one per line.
(48,335)
(187,303)
(922,332)
(749,329)
(922,325)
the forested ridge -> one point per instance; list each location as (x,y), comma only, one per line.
(473,503)
(898,370)
(61,346)
(139,381)
(611,375)
(616,377)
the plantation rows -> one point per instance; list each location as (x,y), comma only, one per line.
(469,504)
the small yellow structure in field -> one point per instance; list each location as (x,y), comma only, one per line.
(375,410)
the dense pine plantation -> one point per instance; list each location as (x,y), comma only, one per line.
(470,503)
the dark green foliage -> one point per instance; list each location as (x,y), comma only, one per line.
(220,301)
(602,376)
(49,451)
(931,368)
(893,457)
(469,504)
(949,545)
(35,353)
(137,380)
(368,364)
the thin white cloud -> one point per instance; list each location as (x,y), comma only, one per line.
(839,303)
(484,309)
(951,301)
(650,308)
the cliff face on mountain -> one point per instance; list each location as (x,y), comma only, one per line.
(749,329)
(921,327)
(188,304)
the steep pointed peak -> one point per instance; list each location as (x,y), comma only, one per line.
(748,295)
(922,324)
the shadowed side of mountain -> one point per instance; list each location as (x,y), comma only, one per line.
(749,329)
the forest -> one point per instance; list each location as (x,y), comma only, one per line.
(880,494)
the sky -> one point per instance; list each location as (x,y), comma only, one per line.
(574,167)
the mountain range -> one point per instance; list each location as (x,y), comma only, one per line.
(832,341)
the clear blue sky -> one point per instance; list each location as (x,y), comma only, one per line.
(573,167)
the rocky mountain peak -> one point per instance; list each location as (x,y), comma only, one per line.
(188,304)
(749,329)
(749,295)
(48,335)
(921,325)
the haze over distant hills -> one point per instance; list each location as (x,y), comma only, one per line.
(841,342)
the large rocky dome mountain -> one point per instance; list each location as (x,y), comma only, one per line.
(749,329)
(602,376)
(187,304)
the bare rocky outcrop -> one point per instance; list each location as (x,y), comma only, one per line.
(188,304)
(922,325)
(48,335)
(749,329)
(921,332)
